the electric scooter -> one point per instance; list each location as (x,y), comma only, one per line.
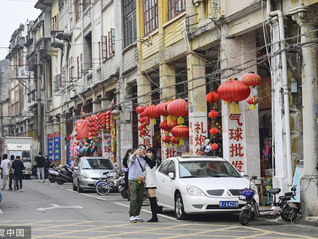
(65,175)
(283,208)
(53,173)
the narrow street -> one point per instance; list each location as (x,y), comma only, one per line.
(56,211)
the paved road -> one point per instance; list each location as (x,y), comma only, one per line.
(55,211)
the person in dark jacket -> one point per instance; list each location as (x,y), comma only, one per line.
(125,167)
(40,163)
(18,167)
(11,172)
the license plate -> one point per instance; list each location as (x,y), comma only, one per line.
(229,204)
(243,197)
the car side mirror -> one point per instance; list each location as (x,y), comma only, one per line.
(171,175)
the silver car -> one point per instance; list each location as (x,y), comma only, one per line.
(89,170)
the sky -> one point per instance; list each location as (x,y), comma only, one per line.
(12,14)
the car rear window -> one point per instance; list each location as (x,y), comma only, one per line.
(194,169)
(97,163)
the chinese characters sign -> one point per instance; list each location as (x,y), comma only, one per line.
(198,133)
(50,147)
(147,139)
(236,142)
(106,146)
(167,152)
(57,146)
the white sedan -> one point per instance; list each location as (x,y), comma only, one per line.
(194,185)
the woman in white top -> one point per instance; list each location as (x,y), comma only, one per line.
(151,182)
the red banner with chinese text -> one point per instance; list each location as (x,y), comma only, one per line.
(82,129)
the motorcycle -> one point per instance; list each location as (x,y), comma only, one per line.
(65,175)
(53,173)
(283,208)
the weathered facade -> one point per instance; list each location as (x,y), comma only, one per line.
(100,54)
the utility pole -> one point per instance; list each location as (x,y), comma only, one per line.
(39,108)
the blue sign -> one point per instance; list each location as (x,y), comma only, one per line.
(57,146)
(68,152)
(50,147)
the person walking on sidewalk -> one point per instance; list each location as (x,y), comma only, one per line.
(11,172)
(136,179)
(18,167)
(40,163)
(151,181)
(5,165)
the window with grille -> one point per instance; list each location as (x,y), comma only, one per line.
(130,30)
(150,15)
(175,7)
(111,42)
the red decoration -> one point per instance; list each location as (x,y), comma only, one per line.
(151,112)
(172,124)
(166,139)
(164,125)
(141,127)
(233,91)
(162,108)
(214,131)
(174,140)
(251,80)
(214,146)
(146,120)
(179,108)
(180,131)
(213,114)
(140,109)
(212,97)
(252,101)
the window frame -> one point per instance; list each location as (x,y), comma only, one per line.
(172,8)
(150,16)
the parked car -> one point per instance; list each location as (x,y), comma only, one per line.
(195,185)
(89,170)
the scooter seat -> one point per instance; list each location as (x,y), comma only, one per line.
(274,190)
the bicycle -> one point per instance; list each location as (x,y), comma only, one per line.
(104,186)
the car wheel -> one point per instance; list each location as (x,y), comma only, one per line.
(79,189)
(179,208)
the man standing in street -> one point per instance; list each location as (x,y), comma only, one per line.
(5,164)
(11,172)
(40,163)
(18,167)
(136,180)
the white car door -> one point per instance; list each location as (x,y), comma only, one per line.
(164,183)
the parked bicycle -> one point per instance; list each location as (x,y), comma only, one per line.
(112,183)
(283,208)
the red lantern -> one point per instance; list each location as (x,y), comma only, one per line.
(180,131)
(172,124)
(146,120)
(214,131)
(212,97)
(213,114)
(164,125)
(142,115)
(252,101)
(162,108)
(214,146)
(178,108)
(151,112)
(140,109)
(233,91)
(141,120)
(251,80)
(141,127)
(174,140)
(166,139)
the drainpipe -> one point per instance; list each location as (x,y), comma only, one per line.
(279,14)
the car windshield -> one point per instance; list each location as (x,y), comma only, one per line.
(97,163)
(201,169)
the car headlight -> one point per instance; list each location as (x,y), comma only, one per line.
(84,175)
(193,190)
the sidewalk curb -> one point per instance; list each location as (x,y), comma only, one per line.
(310,221)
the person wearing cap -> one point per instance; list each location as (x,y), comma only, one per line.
(151,182)
(5,165)
(208,150)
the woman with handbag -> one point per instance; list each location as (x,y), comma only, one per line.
(151,182)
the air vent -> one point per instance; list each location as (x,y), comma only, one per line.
(217,192)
